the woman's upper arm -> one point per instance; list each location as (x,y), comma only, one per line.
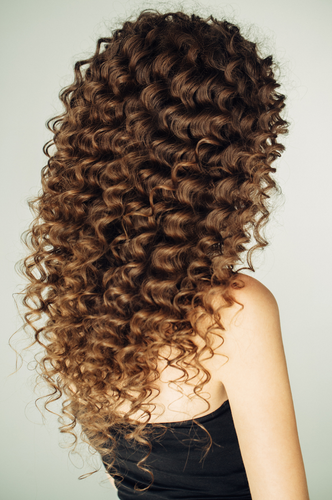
(259,393)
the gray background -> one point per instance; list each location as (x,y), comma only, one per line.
(40,41)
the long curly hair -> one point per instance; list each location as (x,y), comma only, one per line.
(158,187)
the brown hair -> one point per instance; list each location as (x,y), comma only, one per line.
(159,184)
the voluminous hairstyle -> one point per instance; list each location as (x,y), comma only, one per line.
(158,186)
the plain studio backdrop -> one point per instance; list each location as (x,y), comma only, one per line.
(41,40)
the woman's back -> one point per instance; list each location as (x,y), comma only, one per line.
(177,401)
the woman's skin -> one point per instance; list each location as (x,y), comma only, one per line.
(258,388)
(111,480)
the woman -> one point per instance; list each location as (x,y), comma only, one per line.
(158,188)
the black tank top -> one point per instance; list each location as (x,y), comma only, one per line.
(175,462)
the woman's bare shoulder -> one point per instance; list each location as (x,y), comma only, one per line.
(253,290)
(251,323)
(254,305)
